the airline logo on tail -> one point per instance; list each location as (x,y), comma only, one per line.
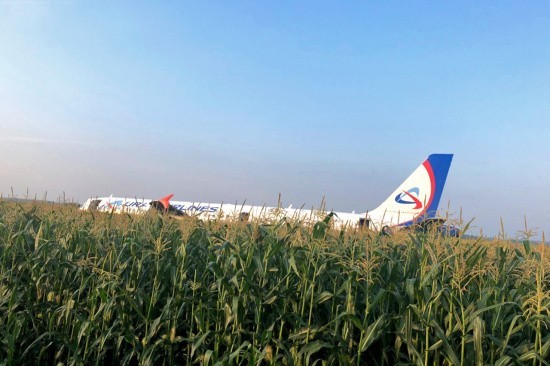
(412,199)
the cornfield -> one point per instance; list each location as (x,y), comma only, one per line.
(88,288)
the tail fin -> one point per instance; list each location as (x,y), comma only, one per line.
(417,197)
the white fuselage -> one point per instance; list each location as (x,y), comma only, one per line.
(415,200)
(211,211)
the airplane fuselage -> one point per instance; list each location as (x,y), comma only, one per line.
(414,201)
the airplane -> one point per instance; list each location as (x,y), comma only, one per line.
(414,202)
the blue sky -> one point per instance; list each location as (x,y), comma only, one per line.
(219,101)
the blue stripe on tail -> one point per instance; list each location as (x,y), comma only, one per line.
(440,164)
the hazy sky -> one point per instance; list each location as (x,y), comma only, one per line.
(226,101)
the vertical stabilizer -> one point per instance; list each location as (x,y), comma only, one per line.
(417,198)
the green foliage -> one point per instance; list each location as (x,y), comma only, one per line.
(81,288)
